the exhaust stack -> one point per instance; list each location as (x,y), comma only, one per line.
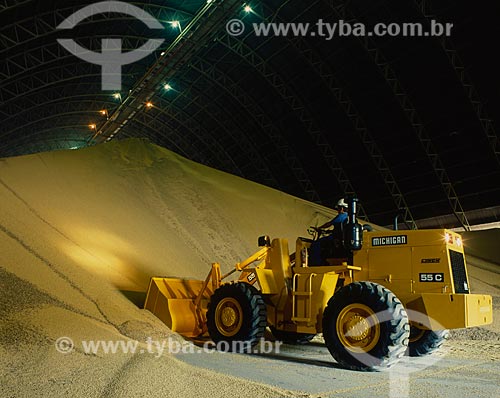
(354,231)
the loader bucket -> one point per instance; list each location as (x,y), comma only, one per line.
(172,300)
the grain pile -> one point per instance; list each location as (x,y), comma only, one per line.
(81,233)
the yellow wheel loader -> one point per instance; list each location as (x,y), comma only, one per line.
(374,295)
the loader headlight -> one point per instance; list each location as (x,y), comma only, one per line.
(452,239)
(264,241)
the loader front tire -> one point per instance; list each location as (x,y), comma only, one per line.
(365,327)
(425,342)
(236,317)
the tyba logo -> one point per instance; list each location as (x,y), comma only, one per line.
(111,58)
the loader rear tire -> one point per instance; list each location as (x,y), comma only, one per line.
(237,317)
(291,337)
(425,342)
(366,327)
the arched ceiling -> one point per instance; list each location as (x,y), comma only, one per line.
(408,124)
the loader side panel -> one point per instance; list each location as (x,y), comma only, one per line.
(278,263)
(413,262)
(389,266)
(431,270)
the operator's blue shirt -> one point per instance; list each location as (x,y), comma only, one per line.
(339,219)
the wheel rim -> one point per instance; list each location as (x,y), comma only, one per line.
(358,328)
(415,334)
(229,316)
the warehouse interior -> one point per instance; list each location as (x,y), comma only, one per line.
(201,144)
(408,124)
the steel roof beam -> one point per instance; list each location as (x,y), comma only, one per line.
(327,75)
(194,37)
(418,127)
(296,104)
(468,86)
(261,118)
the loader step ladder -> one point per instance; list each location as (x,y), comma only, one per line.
(307,294)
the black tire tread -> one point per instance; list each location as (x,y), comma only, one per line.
(254,309)
(394,336)
(430,342)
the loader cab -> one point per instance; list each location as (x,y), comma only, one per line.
(333,250)
(337,247)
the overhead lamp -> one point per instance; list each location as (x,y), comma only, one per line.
(247,9)
(175,24)
(104,112)
(92,126)
(149,104)
(167,87)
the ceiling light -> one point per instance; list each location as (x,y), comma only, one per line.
(247,9)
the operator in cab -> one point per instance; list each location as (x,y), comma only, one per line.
(328,244)
(340,218)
